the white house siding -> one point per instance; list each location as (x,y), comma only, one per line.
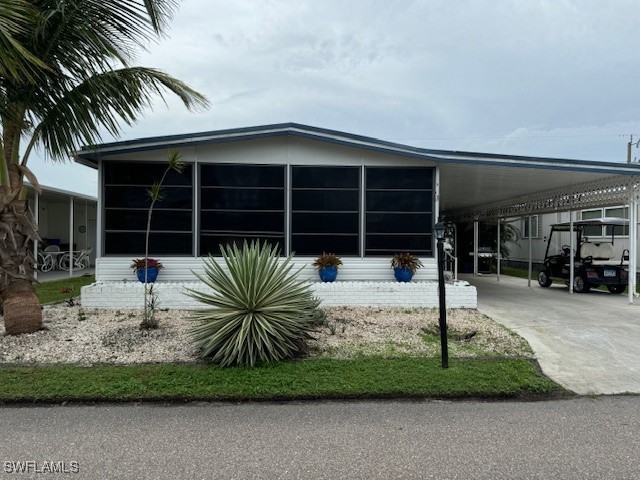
(180,269)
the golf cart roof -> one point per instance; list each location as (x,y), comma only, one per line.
(579,224)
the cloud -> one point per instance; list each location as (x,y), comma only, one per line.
(544,77)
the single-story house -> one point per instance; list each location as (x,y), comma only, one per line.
(311,190)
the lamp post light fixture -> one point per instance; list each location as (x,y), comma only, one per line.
(438,231)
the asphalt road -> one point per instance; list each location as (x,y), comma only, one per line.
(580,438)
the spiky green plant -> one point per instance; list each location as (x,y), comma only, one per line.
(260,310)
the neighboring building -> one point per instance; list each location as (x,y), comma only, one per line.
(65,218)
(538,234)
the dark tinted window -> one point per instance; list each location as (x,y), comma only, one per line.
(326,177)
(143,173)
(225,198)
(398,210)
(126,203)
(325,204)
(137,220)
(138,197)
(241,202)
(132,243)
(210,244)
(242,175)
(396,178)
(312,244)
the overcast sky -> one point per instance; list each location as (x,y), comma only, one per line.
(554,78)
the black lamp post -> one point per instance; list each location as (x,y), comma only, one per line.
(438,230)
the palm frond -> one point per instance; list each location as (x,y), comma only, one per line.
(17,17)
(103,101)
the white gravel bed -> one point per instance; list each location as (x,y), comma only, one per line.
(87,337)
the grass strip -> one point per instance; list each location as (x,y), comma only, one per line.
(364,377)
(60,290)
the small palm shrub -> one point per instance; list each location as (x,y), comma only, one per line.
(327,260)
(259,310)
(406,260)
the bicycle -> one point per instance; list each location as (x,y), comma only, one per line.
(80,261)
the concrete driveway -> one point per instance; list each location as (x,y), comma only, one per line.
(589,343)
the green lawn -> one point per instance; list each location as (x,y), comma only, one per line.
(318,378)
(60,290)
(367,377)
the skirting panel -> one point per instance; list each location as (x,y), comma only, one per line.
(129,295)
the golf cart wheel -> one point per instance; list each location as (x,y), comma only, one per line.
(580,285)
(543,278)
(616,288)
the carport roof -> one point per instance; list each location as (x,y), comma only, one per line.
(472,185)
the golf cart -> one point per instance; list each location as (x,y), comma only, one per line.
(594,264)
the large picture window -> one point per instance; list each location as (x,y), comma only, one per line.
(241,202)
(126,204)
(325,205)
(398,212)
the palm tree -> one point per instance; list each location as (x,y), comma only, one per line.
(70,80)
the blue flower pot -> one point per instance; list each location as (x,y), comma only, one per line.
(152,274)
(328,274)
(403,274)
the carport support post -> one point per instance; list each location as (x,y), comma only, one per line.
(528,220)
(572,257)
(475,247)
(633,245)
(71,221)
(36,213)
(498,253)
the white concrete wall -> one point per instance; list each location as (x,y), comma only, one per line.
(129,295)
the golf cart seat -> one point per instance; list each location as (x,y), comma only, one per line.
(598,254)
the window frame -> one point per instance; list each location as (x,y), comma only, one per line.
(282,240)
(157,208)
(526,226)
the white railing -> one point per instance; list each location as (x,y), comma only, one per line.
(451,264)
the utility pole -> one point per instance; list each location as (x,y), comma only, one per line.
(630,144)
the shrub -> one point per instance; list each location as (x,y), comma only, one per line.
(406,260)
(259,310)
(327,260)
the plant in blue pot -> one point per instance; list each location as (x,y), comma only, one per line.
(327,265)
(146,269)
(404,266)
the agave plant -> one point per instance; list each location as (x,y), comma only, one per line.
(259,310)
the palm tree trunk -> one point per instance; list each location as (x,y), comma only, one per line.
(22,312)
